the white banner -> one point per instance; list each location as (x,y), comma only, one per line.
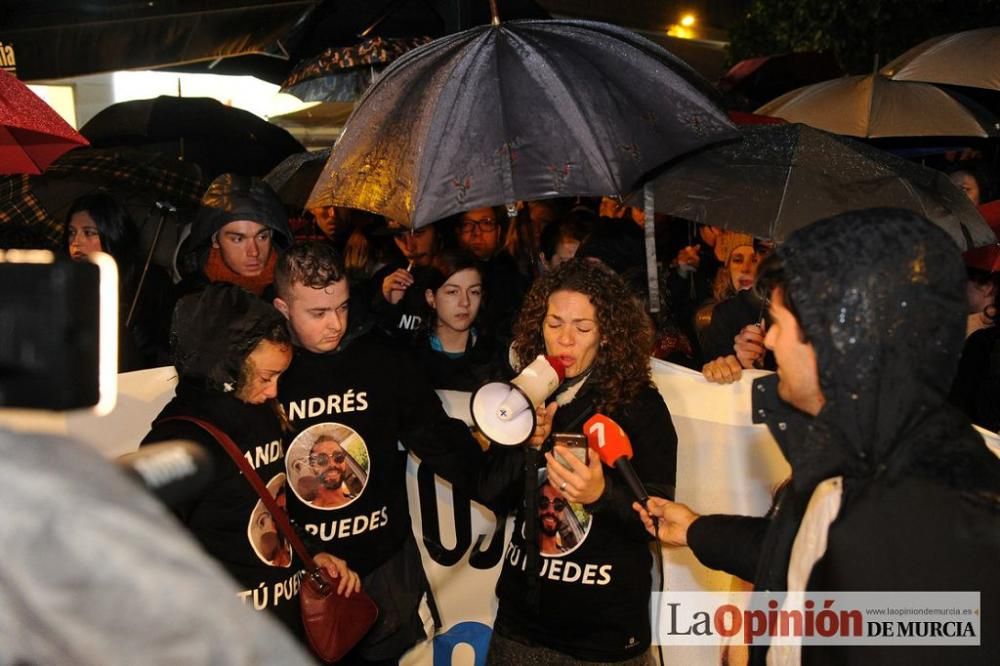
(725,465)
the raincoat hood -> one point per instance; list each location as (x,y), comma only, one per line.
(213,331)
(880,295)
(233,197)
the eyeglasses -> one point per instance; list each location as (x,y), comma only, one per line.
(324,459)
(558,504)
(485,226)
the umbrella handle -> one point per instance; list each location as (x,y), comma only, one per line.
(164,209)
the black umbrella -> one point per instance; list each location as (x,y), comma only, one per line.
(216,137)
(517,111)
(296,176)
(779,178)
(137,179)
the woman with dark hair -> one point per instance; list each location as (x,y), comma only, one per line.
(591,602)
(452,348)
(97,222)
(229,349)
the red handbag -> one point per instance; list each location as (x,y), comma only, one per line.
(333,624)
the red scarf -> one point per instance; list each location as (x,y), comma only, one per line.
(216,270)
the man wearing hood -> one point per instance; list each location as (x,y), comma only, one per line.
(891,489)
(346,378)
(235,236)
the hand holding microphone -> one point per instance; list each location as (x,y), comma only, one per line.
(665,520)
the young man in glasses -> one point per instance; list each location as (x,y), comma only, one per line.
(480,231)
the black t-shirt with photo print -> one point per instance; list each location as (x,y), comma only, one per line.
(595,581)
(228,518)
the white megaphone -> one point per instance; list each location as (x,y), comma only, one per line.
(505,412)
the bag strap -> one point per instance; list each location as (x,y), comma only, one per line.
(279,515)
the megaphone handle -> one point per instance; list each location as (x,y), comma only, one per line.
(533,556)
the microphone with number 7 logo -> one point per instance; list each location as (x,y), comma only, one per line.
(611,444)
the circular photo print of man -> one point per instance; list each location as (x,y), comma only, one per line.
(328,465)
(562,525)
(267,541)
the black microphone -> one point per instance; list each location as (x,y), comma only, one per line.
(611,444)
(174,471)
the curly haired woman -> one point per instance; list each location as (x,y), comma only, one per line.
(589,603)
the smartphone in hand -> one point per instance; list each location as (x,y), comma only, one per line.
(577,445)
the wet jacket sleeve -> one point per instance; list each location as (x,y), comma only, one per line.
(647,423)
(500,483)
(443,443)
(728,543)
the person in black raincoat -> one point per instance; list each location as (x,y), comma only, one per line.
(868,315)
(229,348)
(235,236)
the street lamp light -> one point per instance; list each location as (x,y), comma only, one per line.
(684,28)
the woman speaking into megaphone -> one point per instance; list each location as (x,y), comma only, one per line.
(584,595)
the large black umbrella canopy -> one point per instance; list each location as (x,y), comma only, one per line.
(779,178)
(139,180)
(517,111)
(63,38)
(216,137)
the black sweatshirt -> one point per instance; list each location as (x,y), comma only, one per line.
(228,518)
(368,396)
(594,592)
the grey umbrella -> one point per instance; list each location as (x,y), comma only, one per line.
(517,111)
(295,177)
(779,178)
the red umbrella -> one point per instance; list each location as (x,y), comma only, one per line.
(32,135)
(987,258)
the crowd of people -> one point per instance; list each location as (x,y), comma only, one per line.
(316,340)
